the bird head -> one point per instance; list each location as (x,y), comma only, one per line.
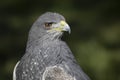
(49,24)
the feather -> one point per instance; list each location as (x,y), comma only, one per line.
(14,71)
(47,57)
(56,73)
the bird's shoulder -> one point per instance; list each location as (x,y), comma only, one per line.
(56,73)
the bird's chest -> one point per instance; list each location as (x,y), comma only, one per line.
(40,57)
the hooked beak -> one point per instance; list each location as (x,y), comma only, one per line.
(65,27)
(61,26)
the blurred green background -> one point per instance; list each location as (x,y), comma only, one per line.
(95,37)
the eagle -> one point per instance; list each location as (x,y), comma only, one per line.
(47,56)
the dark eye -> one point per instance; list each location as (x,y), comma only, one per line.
(48,25)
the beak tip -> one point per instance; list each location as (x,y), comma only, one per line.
(69,31)
(67,28)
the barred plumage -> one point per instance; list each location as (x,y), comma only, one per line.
(47,57)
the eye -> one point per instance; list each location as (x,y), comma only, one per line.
(48,25)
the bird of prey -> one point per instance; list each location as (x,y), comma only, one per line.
(47,57)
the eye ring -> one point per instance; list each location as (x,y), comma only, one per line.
(48,25)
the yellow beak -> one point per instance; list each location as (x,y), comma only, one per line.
(65,26)
(61,26)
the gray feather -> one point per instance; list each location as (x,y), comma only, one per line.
(44,51)
(14,71)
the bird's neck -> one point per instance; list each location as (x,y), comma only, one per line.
(41,42)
